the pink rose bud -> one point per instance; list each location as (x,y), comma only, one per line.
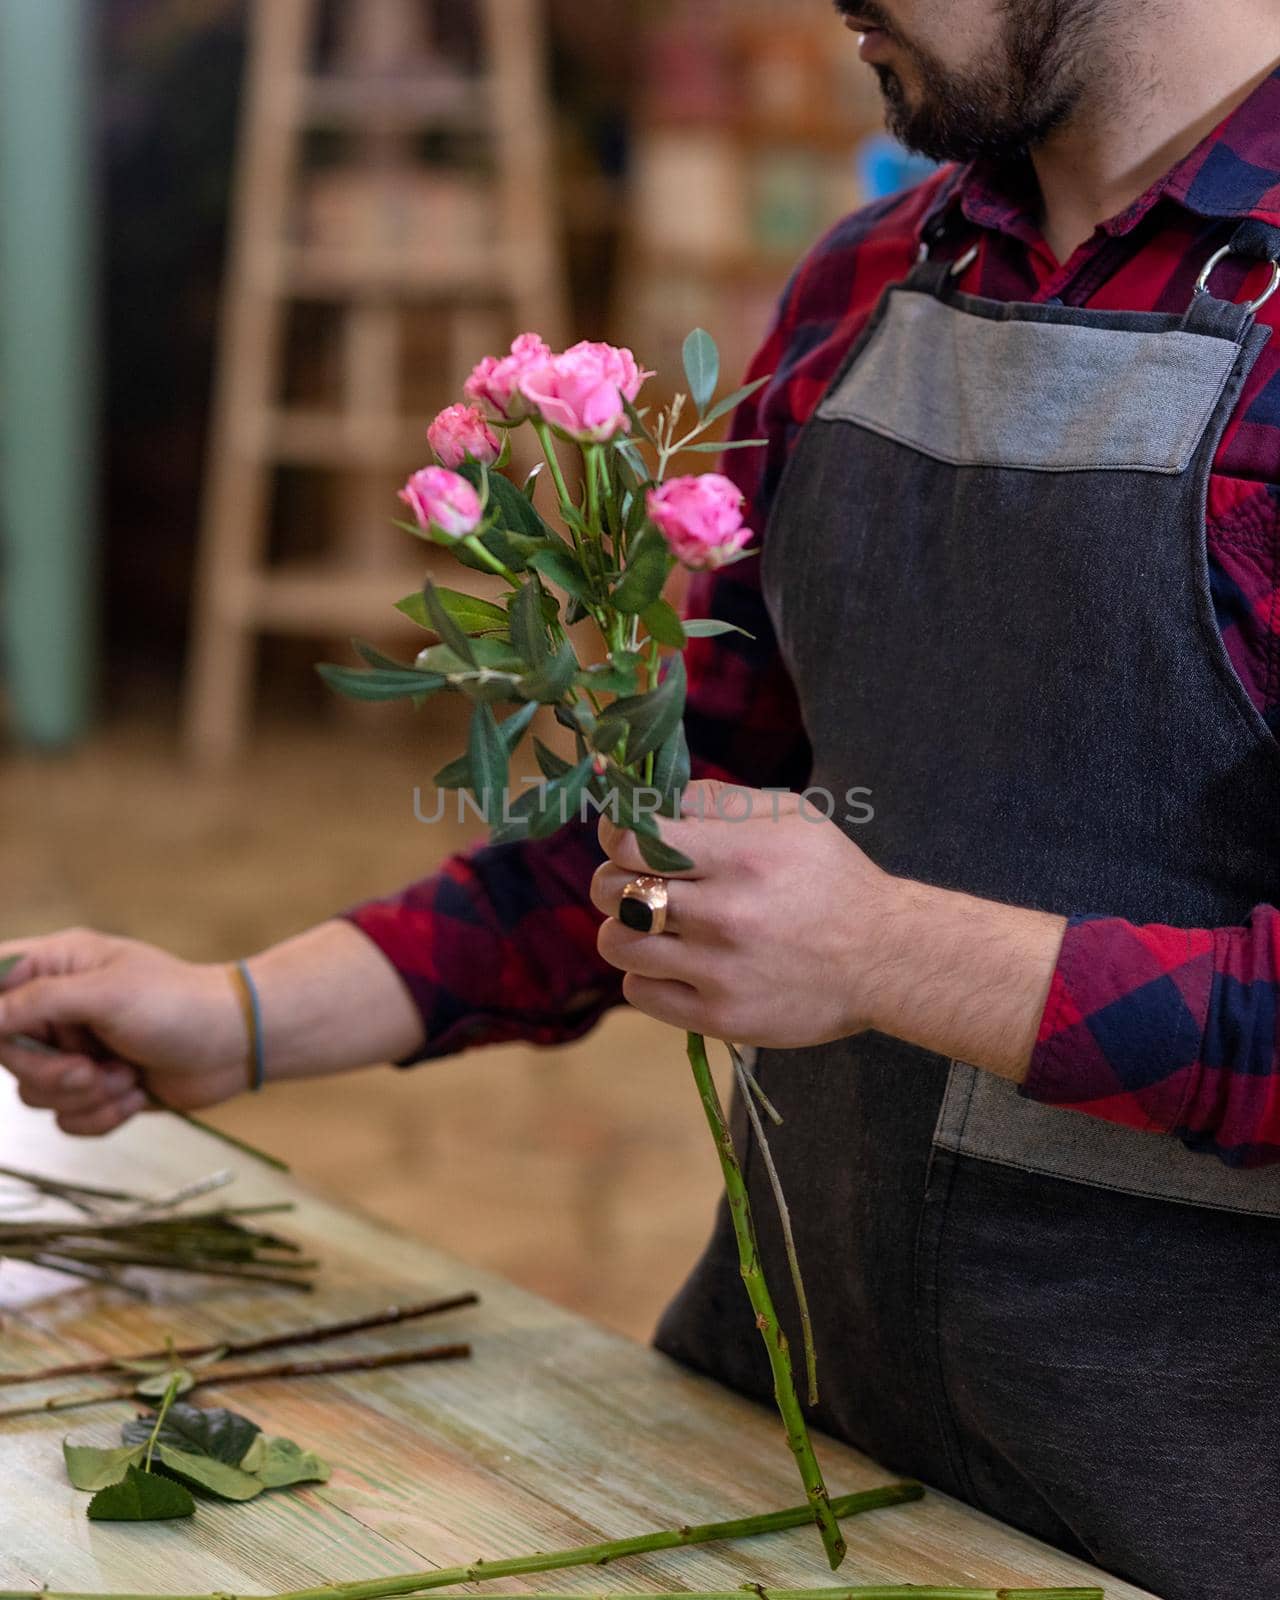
(442,502)
(583,392)
(461,433)
(496,380)
(700,518)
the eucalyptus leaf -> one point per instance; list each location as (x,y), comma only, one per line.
(710,628)
(649,562)
(90,1467)
(476,617)
(711,448)
(527,623)
(672,769)
(513,510)
(403,684)
(702,368)
(663,624)
(550,682)
(278,1462)
(489,761)
(649,718)
(450,632)
(141,1497)
(563,568)
(731,402)
(203,1430)
(457,774)
(541,811)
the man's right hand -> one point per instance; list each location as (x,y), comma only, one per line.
(126,1024)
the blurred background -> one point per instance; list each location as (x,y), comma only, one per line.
(247,249)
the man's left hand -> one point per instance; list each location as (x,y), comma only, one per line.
(785,934)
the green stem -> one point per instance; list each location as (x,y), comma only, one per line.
(170,1394)
(547,442)
(775,1341)
(488,559)
(591,1555)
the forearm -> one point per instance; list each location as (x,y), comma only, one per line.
(331,1001)
(964,977)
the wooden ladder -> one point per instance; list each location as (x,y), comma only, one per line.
(485,291)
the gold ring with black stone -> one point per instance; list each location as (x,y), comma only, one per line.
(644,905)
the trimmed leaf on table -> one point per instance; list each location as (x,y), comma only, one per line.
(220,1478)
(207,1430)
(156,1384)
(90,1467)
(279,1463)
(141,1497)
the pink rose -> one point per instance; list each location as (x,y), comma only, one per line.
(583,392)
(496,380)
(700,518)
(461,432)
(442,502)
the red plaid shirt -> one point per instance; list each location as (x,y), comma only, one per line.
(1172,1030)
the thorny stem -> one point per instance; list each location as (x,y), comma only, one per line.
(784,1218)
(775,1341)
(213,1379)
(591,1555)
(389,1317)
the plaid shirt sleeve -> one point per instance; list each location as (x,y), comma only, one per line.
(500,944)
(1170,1030)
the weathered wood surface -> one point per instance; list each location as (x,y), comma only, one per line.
(555,1434)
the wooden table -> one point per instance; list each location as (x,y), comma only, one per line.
(554,1434)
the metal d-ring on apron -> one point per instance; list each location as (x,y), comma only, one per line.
(987,569)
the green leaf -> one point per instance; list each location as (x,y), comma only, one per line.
(713,449)
(403,684)
(514,512)
(647,567)
(206,1472)
(512,549)
(550,682)
(89,1467)
(731,402)
(373,657)
(709,628)
(659,855)
(663,624)
(279,1462)
(141,1497)
(457,775)
(618,675)
(8,964)
(701,368)
(474,616)
(449,631)
(156,1384)
(541,811)
(203,1430)
(649,718)
(562,568)
(552,765)
(489,760)
(672,770)
(528,625)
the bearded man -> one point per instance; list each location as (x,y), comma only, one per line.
(1024,470)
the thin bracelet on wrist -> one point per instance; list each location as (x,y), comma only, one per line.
(251,1008)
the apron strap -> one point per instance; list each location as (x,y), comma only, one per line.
(1226,319)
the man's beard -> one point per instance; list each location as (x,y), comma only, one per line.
(1031,84)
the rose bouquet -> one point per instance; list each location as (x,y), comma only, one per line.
(626,528)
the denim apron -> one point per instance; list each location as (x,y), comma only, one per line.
(987,570)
